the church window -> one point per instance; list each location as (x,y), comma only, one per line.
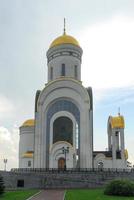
(75,71)
(63,130)
(29,163)
(51,73)
(63,70)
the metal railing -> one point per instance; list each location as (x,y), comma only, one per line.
(73,170)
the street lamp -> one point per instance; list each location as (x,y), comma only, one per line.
(5,162)
(65,151)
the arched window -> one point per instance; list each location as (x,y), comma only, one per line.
(63,72)
(63,130)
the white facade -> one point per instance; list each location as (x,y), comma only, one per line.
(61,134)
(67,54)
(26,147)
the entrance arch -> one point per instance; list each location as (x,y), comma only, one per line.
(73,113)
(61,163)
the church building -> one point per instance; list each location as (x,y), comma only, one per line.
(61,134)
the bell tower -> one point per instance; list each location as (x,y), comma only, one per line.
(116,142)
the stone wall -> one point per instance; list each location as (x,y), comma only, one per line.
(62,179)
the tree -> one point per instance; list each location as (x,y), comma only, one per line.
(120,188)
(2,187)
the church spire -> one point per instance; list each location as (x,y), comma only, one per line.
(64,30)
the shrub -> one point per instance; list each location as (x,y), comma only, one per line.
(120,188)
(2,187)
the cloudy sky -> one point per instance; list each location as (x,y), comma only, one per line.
(105,30)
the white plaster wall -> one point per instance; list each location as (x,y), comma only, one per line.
(24,163)
(26,143)
(37,146)
(69,60)
(109,162)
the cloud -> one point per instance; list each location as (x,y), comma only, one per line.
(9,141)
(114,96)
(108,53)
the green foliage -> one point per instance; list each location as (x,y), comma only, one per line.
(2,187)
(120,188)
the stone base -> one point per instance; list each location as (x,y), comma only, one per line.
(61,179)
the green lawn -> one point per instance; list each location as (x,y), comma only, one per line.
(94,194)
(18,195)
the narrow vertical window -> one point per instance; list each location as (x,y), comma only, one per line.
(63,70)
(29,163)
(75,71)
(51,73)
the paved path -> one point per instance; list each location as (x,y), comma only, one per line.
(50,195)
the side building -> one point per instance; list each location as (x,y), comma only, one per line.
(116,155)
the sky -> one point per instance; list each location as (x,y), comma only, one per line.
(105,31)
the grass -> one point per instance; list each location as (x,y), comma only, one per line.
(18,195)
(93,194)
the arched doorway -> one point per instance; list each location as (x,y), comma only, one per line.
(61,163)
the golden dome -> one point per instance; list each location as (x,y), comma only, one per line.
(64,39)
(117,122)
(29,122)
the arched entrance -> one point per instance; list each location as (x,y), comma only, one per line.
(56,111)
(61,163)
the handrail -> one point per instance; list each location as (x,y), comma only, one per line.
(73,170)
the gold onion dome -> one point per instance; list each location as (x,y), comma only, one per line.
(64,39)
(29,122)
(117,122)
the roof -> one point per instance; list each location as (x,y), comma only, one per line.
(28,123)
(117,122)
(64,39)
(28,154)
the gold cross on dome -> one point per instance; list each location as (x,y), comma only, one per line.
(64,30)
